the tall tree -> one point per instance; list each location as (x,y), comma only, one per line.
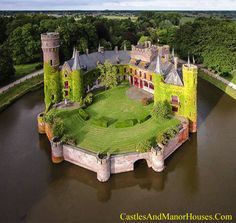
(7,70)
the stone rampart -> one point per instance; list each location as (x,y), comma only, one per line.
(105,165)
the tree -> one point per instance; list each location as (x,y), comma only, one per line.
(161,109)
(108,75)
(7,70)
(24,43)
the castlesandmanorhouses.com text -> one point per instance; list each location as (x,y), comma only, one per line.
(176,217)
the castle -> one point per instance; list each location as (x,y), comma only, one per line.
(149,67)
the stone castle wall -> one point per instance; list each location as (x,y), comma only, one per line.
(105,166)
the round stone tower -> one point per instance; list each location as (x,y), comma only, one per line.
(50,47)
(52,88)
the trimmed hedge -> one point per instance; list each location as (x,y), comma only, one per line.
(102,122)
(145,118)
(84,115)
(126,123)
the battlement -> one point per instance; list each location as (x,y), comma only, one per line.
(50,40)
(145,52)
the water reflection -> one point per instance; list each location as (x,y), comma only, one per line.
(195,179)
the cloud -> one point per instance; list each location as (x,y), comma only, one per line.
(118,4)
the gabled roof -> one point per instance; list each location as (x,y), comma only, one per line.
(166,68)
(174,77)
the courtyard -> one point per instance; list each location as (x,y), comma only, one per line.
(114,106)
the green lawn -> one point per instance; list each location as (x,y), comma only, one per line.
(23,69)
(114,105)
(228,90)
(16,92)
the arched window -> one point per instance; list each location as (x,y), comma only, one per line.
(140,73)
(145,76)
(151,86)
(150,77)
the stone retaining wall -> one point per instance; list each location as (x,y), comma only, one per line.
(106,165)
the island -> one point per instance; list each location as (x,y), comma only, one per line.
(105,110)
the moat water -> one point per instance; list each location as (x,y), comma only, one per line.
(200,177)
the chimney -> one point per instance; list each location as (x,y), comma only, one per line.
(116,49)
(87,51)
(125,47)
(176,62)
(146,44)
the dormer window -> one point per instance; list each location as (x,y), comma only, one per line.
(146,65)
(137,62)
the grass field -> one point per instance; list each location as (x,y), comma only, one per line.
(120,17)
(19,90)
(228,90)
(114,105)
(23,69)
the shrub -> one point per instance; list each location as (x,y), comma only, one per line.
(164,137)
(58,127)
(50,116)
(126,123)
(102,122)
(143,146)
(88,99)
(145,118)
(69,139)
(83,114)
(162,110)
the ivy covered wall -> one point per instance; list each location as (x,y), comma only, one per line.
(77,85)
(52,85)
(186,94)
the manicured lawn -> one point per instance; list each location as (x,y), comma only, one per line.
(16,92)
(24,69)
(114,105)
(228,90)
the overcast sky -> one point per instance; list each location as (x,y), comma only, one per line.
(118,4)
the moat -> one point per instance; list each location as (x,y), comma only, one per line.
(199,178)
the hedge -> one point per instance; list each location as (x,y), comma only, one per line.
(145,118)
(102,122)
(84,115)
(126,123)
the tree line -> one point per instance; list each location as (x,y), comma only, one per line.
(211,41)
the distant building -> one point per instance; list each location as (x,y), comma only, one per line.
(146,66)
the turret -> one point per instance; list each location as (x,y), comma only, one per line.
(50,47)
(190,91)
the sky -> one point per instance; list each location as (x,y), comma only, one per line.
(118,4)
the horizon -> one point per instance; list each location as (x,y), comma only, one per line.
(118,5)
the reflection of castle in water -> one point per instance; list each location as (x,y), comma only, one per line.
(185,159)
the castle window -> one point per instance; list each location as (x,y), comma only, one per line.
(66,84)
(66,93)
(140,73)
(151,86)
(145,76)
(131,70)
(174,100)
(150,77)
(125,69)
(51,62)
(145,83)
(65,74)
(135,72)
(174,109)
